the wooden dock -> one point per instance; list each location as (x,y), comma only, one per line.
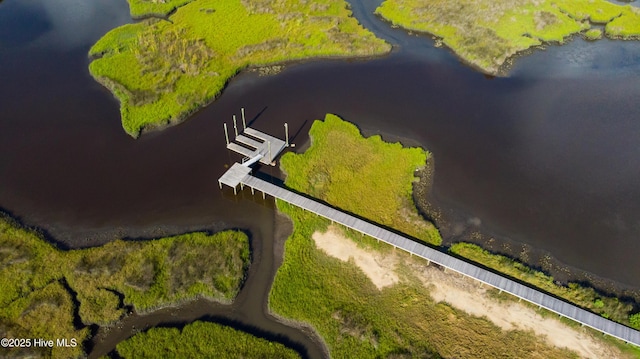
(254,143)
(445,260)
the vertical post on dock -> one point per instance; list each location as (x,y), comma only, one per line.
(286,134)
(244,123)
(235,126)
(226,134)
(269,144)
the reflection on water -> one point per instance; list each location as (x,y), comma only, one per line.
(579,58)
(60,24)
(31,20)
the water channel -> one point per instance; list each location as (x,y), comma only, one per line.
(544,162)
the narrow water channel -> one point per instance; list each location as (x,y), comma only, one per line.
(248,311)
(546,159)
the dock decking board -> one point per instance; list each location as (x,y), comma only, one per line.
(248,141)
(502,283)
(234,175)
(269,148)
(241,150)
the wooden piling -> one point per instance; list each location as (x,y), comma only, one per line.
(286,134)
(235,125)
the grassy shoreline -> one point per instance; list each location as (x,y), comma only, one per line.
(364,176)
(585,297)
(49,293)
(163,70)
(336,299)
(486,34)
(201,339)
(141,9)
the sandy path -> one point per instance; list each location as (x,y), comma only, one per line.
(465,294)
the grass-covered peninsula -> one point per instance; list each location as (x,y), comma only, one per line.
(377,302)
(49,293)
(201,340)
(162,70)
(365,176)
(487,33)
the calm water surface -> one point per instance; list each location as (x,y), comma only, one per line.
(546,158)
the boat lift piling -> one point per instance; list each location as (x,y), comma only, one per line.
(226,133)
(235,125)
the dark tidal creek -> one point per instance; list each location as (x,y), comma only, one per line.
(542,165)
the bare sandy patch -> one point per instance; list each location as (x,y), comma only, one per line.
(380,269)
(471,296)
(464,294)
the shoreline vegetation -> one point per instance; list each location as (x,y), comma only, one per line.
(355,317)
(202,339)
(50,293)
(585,297)
(365,176)
(179,59)
(141,9)
(487,34)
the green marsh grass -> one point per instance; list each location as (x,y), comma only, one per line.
(593,34)
(160,8)
(161,71)
(201,340)
(365,176)
(41,284)
(487,33)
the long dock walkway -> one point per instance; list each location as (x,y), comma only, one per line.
(534,296)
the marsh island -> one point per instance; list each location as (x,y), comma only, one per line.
(485,34)
(166,67)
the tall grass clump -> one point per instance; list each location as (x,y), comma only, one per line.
(365,176)
(487,33)
(161,71)
(201,340)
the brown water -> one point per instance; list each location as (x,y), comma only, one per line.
(546,159)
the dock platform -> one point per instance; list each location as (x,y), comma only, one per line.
(234,176)
(261,144)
